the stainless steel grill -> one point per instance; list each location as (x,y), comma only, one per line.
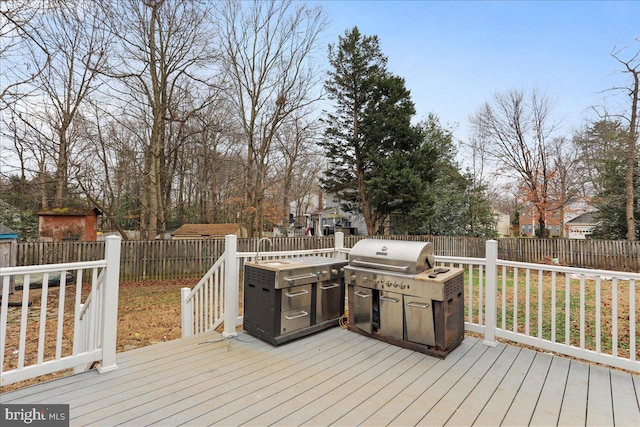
(396,294)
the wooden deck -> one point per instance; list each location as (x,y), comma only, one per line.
(342,378)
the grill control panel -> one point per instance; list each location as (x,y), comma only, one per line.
(417,285)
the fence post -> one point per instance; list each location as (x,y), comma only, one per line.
(110,288)
(338,243)
(231,285)
(491,293)
(186,308)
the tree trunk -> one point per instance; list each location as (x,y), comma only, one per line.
(61,168)
(43,188)
(631,159)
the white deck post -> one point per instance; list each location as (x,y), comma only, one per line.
(338,244)
(231,285)
(491,292)
(110,289)
(187,313)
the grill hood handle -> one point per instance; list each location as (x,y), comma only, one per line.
(380,265)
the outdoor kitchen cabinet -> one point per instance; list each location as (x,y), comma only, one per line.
(286,299)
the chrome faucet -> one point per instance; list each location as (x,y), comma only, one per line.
(258,246)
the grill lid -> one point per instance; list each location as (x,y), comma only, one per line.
(393,255)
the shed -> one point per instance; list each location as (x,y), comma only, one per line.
(208,231)
(60,224)
(8,252)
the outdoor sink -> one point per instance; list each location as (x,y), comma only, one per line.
(274,263)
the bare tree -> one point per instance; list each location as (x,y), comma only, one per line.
(296,141)
(32,146)
(632,67)
(165,53)
(79,45)
(566,184)
(21,38)
(517,134)
(268,47)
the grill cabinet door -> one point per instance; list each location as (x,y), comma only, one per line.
(391,314)
(419,320)
(362,307)
(329,301)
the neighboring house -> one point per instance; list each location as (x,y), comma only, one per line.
(208,231)
(582,226)
(529,222)
(332,219)
(60,224)
(322,215)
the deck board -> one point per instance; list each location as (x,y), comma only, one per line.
(417,385)
(524,404)
(547,410)
(573,411)
(449,403)
(599,396)
(496,408)
(477,399)
(624,398)
(337,377)
(360,398)
(413,413)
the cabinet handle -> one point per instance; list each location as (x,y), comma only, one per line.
(394,300)
(331,286)
(379,265)
(301,314)
(297,294)
(417,305)
(361,295)
(304,276)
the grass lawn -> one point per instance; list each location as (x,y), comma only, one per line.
(538,293)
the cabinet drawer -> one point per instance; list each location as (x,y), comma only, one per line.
(296,297)
(295,319)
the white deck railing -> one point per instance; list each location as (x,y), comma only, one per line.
(203,306)
(61,341)
(583,313)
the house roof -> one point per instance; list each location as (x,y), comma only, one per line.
(69,212)
(206,229)
(588,218)
(7,233)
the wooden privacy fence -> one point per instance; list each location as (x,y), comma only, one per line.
(618,255)
(179,259)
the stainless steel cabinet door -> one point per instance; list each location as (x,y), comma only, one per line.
(362,307)
(391,315)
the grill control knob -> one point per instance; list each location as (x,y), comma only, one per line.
(334,271)
(402,286)
(364,279)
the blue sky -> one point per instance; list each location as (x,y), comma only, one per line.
(455,56)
